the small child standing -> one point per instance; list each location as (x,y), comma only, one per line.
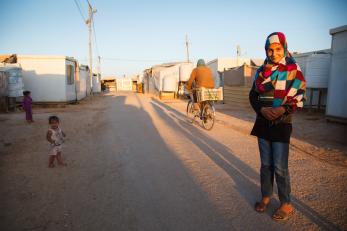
(27,102)
(55,137)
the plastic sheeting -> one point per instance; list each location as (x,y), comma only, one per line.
(185,71)
(170,84)
(171,76)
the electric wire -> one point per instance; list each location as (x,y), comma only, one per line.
(79,9)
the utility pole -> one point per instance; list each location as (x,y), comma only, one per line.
(89,22)
(187,47)
(99,65)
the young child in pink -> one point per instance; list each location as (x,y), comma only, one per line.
(55,137)
(27,102)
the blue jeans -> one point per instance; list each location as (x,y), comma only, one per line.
(274,163)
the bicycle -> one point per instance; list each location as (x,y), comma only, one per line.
(206,111)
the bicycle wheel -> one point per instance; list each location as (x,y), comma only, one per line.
(190,112)
(208,116)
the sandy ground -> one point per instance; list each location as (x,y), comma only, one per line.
(134,163)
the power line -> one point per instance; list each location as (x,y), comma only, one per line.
(79,9)
(137,60)
(82,8)
(140,60)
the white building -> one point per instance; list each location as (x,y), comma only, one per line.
(49,78)
(96,83)
(218,65)
(337,93)
(124,84)
(148,82)
(83,83)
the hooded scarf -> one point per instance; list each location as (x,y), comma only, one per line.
(285,77)
(201,62)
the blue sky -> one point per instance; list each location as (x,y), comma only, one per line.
(133,35)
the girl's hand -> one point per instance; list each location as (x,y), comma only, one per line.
(272,113)
(278,111)
(267,113)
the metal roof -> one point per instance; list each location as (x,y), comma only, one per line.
(338,29)
(46,57)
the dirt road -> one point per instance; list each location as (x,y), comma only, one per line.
(134,163)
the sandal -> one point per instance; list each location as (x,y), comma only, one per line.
(260,207)
(281,215)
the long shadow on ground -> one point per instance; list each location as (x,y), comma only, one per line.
(244,176)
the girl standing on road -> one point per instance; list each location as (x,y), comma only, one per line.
(278,90)
(55,136)
(27,102)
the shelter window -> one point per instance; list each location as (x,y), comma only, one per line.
(70,74)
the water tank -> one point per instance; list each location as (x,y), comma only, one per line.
(15,79)
(315,68)
(185,71)
(169,84)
